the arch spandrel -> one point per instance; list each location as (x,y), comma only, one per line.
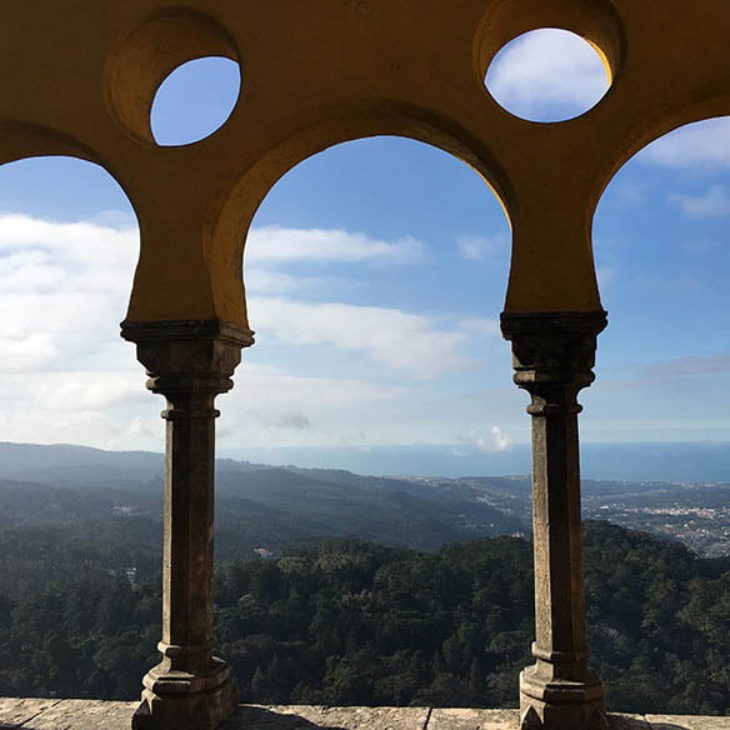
(328,62)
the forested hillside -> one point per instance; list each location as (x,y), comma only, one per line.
(352,622)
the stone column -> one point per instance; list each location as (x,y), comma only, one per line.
(553,357)
(189,363)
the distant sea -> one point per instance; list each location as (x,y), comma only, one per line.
(706,461)
(701,461)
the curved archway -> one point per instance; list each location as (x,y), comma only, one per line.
(647,133)
(21,140)
(68,250)
(69,244)
(660,245)
(379,267)
(224,245)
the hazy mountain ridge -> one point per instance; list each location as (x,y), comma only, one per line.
(119,495)
(705,461)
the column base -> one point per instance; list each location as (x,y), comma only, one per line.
(185,701)
(557,704)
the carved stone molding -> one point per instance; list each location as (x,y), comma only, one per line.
(553,348)
(184,355)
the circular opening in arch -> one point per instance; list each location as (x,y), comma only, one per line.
(548,75)
(195,101)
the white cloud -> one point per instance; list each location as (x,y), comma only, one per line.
(606,276)
(630,193)
(480,248)
(276,393)
(500,440)
(106,409)
(92,391)
(689,367)
(494,440)
(392,337)
(703,144)
(64,287)
(115,410)
(21,351)
(68,377)
(268,409)
(83,243)
(263,406)
(714,203)
(480,326)
(66,374)
(278,282)
(545,69)
(272,243)
(291,419)
(120,219)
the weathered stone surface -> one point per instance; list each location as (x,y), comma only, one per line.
(466,719)
(295,717)
(628,722)
(84,715)
(47,714)
(688,722)
(190,363)
(16,711)
(553,355)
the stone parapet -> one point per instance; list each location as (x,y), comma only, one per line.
(45,714)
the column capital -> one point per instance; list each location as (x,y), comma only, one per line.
(188,355)
(553,348)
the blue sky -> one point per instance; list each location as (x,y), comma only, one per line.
(353,350)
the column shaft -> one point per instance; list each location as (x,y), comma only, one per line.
(190,363)
(188,542)
(560,622)
(553,358)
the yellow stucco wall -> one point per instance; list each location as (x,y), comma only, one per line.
(77,77)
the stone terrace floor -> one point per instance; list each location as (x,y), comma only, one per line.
(37,714)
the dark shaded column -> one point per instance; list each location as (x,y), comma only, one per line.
(553,357)
(189,363)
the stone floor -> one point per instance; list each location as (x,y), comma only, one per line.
(32,714)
